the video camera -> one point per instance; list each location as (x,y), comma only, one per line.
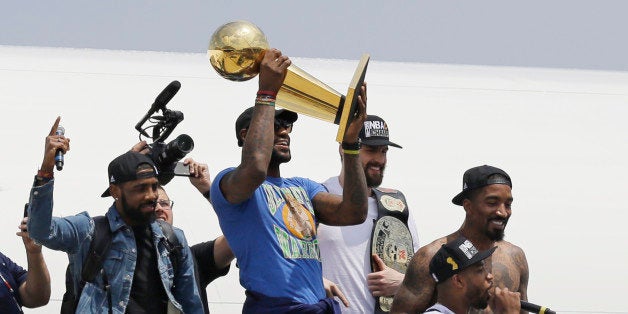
(166,156)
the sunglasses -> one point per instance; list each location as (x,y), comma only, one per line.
(281,123)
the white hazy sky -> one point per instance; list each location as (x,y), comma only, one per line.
(533,33)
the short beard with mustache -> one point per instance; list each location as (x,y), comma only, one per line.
(373,182)
(478,302)
(135,214)
(497,235)
(276,158)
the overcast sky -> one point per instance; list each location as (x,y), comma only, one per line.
(536,33)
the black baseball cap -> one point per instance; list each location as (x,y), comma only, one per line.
(478,177)
(454,257)
(124,168)
(375,132)
(244,120)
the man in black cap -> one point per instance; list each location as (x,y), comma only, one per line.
(346,251)
(138,275)
(486,198)
(463,281)
(269,221)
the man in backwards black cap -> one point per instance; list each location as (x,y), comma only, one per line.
(463,281)
(138,273)
(270,221)
(486,198)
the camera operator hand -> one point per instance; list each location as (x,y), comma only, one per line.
(199,172)
(199,176)
(141,147)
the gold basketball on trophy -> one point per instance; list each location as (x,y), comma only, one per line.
(236,50)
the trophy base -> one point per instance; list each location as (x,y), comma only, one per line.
(350,102)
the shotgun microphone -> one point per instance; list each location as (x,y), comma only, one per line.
(159,104)
(533,308)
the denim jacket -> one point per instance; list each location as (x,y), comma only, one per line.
(73,235)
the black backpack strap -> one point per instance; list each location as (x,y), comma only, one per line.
(98,249)
(70,299)
(92,265)
(172,243)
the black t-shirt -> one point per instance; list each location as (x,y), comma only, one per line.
(206,265)
(147,292)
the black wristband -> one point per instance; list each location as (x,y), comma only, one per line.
(206,194)
(351,146)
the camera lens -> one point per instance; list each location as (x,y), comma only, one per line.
(184,143)
(176,149)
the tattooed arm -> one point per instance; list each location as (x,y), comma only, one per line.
(238,185)
(418,290)
(510,268)
(352,207)
(524,275)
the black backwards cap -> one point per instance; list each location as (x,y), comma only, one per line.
(375,132)
(124,169)
(478,177)
(454,257)
(244,120)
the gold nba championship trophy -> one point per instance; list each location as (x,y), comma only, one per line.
(236,50)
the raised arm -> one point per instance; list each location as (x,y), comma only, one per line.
(53,144)
(199,176)
(418,287)
(238,185)
(56,233)
(35,291)
(352,207)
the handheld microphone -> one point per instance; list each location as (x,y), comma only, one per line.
(160,103)
(59,155)
(533,308)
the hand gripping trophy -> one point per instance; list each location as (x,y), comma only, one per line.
(235,52)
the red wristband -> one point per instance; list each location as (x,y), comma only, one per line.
(266,93)
(45,174)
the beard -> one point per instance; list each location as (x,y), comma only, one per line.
(277,157)
(495,234)
(374,180)
(135,214)
(480,304)
(478,300)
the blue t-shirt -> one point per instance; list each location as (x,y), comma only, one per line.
(14,276)
(273,236)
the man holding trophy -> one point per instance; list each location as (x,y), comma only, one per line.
(269,221)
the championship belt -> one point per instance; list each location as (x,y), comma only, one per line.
(391,238)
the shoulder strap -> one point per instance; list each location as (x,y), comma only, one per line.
(92,264)
(98,249)
(70,299)
(172,243)
(391,203)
